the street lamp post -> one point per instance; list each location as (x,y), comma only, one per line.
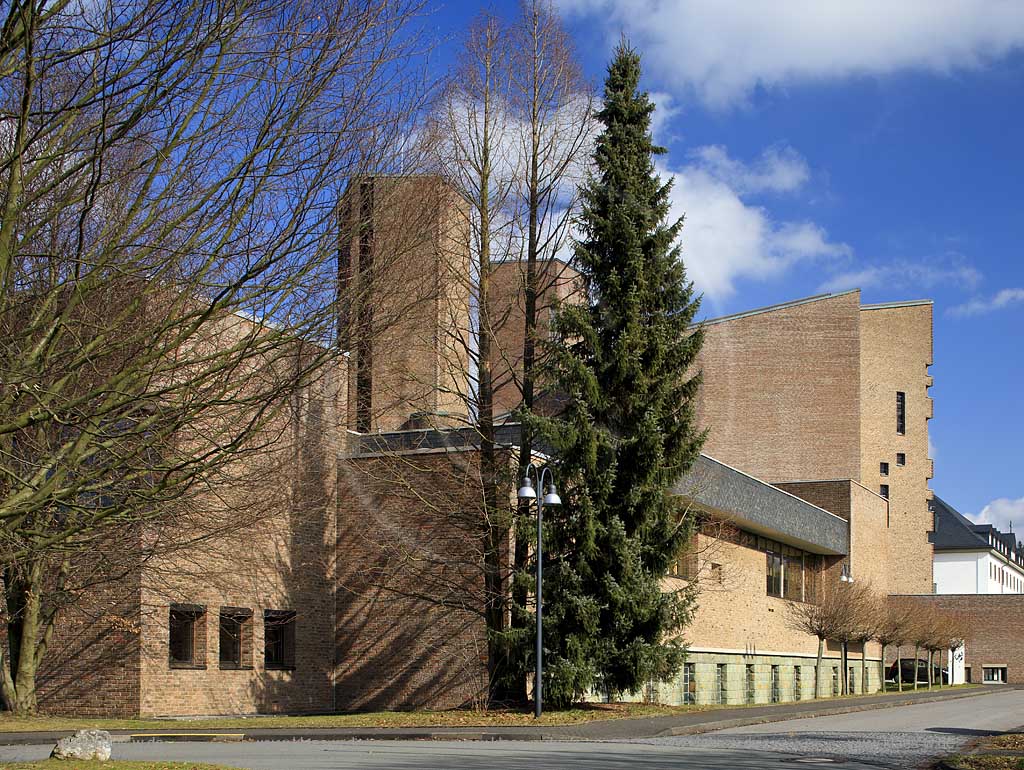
(528,492)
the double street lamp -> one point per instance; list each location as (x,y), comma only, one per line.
(528,492)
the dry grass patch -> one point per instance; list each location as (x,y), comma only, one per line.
(64,764)
(453,718)
(1008,742)
(988,762)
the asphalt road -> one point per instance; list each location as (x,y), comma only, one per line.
(438,755)
(902,737)
(898,737)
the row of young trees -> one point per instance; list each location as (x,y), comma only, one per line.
(852,613)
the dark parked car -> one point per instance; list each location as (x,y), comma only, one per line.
(907,672)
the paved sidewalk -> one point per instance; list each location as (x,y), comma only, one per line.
(611,729)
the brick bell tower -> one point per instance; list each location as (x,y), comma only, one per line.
(404,302)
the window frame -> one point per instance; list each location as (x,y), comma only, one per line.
(901,459)
(901,413)
(194,615)
(883,491)
(242,618)
(283,619)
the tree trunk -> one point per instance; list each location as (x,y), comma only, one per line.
(844,662)
(917,656)
(817,668)
(28,630)
(881,669)
(899,667)
(864,669)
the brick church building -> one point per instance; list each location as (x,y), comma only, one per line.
(361,585)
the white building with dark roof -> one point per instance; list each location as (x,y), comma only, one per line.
(974,558)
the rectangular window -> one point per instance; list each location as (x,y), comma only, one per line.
(797,682)
(883,468)
(774,572)
(901,413)
(279,639)
(751,683)
(685,565)
(186,636)
(776,685)
(689,683)
(993,674)
(235,637)
(835,681)
(901,458)
(720,684)
(793,575)
(883,490)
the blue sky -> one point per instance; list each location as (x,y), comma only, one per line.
(871,144)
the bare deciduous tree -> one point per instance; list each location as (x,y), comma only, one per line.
(834,614)
(169,173)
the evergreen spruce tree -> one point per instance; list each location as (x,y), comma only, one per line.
(624,362)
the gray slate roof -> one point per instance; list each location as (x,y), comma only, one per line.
(955,532)
(745,501)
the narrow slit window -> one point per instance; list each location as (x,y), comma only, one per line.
(901,413)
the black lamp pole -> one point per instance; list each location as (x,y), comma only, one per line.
(550,496)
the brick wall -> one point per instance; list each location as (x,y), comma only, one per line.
(781,391)
(410,626)
(896,350)
(267,543)
(404,300)
(557,282)
(868,515)
(992,624)
(92,665)
(736,614)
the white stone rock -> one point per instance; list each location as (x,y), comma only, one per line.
(84,745)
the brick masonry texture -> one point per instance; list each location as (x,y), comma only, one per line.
(410,626)
(992,624)
(868,515)
(896,350)
(557,283)
(781,391)
(379,554)
(404,267)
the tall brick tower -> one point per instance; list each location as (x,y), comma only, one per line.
(895,353)
(404,302)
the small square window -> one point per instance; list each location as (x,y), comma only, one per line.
(187,636)
(901,458)
(235,637)
(279,639)
(883,490)
(883,468)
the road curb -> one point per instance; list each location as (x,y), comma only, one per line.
(186,738)
(559,733)
(725,724)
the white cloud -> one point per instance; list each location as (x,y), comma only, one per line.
(665,108)
(905,275)
(1001,513)
(724,49)
(1002,299)
(725,238)
(779,169)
